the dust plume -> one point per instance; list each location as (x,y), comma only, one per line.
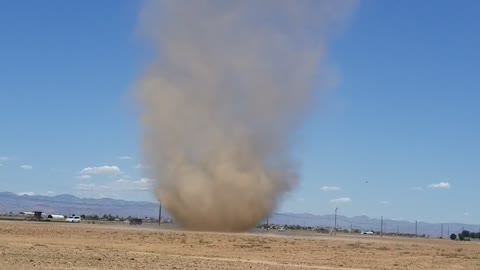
(230,84)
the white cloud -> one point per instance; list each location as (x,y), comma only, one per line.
(27,193)
(328,188)
(50,192)
(441,185)
(417,188)
(120,185)
(139,166)
(121,181)
(84,177)
(144,181)
(26,167)
(85,186)
(3,159)
(142,184)
(101,170)
(343,200)
(92,187)
(125,158)
(384,202)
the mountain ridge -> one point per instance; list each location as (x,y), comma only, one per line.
(68,204)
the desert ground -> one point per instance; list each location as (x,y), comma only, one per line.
(29,245)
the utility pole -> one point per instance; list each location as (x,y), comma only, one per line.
(442,232)
(336,210)
(416,228)
(448,229)
(398,230)
(381,228)
(159,213)
(268,227)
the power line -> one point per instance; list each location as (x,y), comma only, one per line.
(358,223)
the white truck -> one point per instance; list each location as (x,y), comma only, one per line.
(74,219)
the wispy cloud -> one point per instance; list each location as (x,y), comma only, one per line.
(27,167)
(4,159)
(330,188)
(343,200)
(143,184)
(122,181)
(129,185)
(120,185)
(92,187)
(441,185)
(417,188)
(84,177)
(125,157)
(26,193)
(384,202)
(101,170)
(139,166)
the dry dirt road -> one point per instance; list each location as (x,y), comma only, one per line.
(26,245)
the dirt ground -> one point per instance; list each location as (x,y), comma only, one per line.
(26,245)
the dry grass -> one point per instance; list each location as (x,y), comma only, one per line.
(71,246)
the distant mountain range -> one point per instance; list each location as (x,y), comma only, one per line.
(68,204)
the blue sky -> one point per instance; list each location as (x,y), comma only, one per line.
(397,136)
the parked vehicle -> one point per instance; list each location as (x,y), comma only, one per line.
(56,217)
(136,221)
(368,233)
(74,219)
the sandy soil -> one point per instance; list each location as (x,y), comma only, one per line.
(25,245)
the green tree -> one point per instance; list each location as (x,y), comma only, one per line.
(453,236)
(465,235)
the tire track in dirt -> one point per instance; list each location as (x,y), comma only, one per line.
(238,260)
